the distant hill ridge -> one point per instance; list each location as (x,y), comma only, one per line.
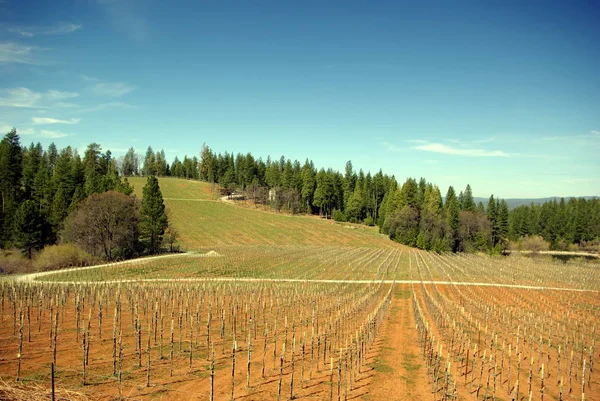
(514,202)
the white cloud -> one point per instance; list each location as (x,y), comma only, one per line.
(19,97)
(57,29)
(112,89)
(28,131)
(390,147)
(591,135)
(46,133)
(485,140)
(23,33)
(445,149)
(102,106)
(87,78)
(15,53)
(46,120)
(26,98)
(60,95)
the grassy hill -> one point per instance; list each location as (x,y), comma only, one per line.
(203,221)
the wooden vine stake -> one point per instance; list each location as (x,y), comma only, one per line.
(583,382)
(148,351)
(233,348)
(249,358)
(280,373)
(292,366)
(330,378)
(212,373)
(19,355)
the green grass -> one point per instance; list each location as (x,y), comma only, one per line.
(203,223)
(383,368)
(175,188)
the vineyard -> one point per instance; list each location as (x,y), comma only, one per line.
(263,306)
(506,343)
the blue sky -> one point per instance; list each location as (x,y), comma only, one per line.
(504,95)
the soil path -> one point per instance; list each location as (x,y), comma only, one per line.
(399,371)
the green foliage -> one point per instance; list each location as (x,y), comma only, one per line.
(11,165)
(58,180)
(468,204)
(59,208)
(355,209)
(452,211)
(28,228)
(404,226)
(338,215)
(153,219)
(368,221)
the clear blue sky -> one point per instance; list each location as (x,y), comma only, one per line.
(504,95)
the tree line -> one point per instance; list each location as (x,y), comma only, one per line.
(414,213)
(49,195)
(561,223)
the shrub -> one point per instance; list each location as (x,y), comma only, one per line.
(12,262)
(338,215)
(60,256)
(369,222)
(534,243)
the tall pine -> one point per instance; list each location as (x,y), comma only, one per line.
(153,220)
(28,228)
(452,210)
(11,169)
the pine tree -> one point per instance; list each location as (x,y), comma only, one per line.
(349,181)
(308,184)
(452,219)
(11,168)
(28,228)
(582,219)
(42,188)
(59,209)
(52,156)
(161,164)
(502,222)
(153,220)
(430,230)
(93,169)
(31,162)
(356,206)
(468,203)
(492,217)
(149,162)
(77,198)
(129,165)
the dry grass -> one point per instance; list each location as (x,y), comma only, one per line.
(10,391)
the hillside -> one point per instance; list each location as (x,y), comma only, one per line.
(203,222)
